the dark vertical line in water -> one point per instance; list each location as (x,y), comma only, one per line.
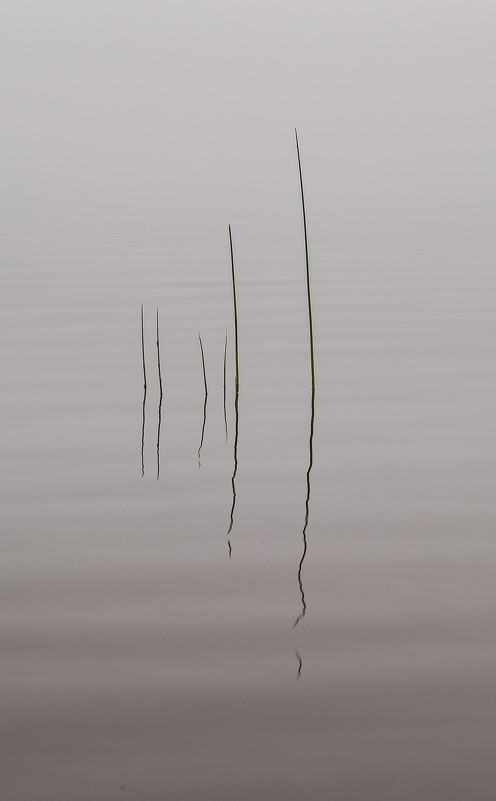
(300,664)
(160,401)
(235,311)
(307,266)
(205,401)
(233,479)
(144,395)
(307,510)
(143,435)
(225,408)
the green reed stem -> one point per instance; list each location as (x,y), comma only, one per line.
(143,347)
(158,359)
(235,312)
(203,364)
(308,270)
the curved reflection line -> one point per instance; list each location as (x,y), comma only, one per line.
(205,401)
(300,664)
(307,509)
(159,402)
(143,435)
(236,431)
(144,394)
(203,428)
(225,359)
(158,432)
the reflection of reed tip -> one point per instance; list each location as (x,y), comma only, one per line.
(300,664)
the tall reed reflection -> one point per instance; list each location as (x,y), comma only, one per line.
(159,402)
(233,479)
(225,407)
(144,394)
(205,401)
(307,511)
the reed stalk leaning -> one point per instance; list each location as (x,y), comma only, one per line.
(158,360)
(203,364)
(143,347)
(307,267)
(235,312)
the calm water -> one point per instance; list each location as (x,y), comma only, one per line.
(339,641)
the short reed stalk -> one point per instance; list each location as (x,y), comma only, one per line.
(235,312)
(203,364)
(158,360)
(143,347)
(308,271)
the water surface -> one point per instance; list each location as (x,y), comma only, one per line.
(147,651)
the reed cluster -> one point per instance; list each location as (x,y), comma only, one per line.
(235,310)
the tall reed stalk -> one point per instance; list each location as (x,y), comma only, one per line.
(307,266)
(235,312)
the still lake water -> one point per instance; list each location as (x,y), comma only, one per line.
(147,653)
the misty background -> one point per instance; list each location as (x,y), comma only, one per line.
(194,103)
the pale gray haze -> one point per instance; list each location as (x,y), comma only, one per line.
(196,101)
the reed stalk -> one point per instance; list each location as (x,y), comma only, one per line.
(203,364)
(307,266)
(158,360)
(143,347)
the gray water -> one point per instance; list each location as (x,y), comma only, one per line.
(305,608)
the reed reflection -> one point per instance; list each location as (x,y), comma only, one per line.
(307,511)
(205,401)
(225,408)
(144,395)
(300,664)
(233,479)
(159,402)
